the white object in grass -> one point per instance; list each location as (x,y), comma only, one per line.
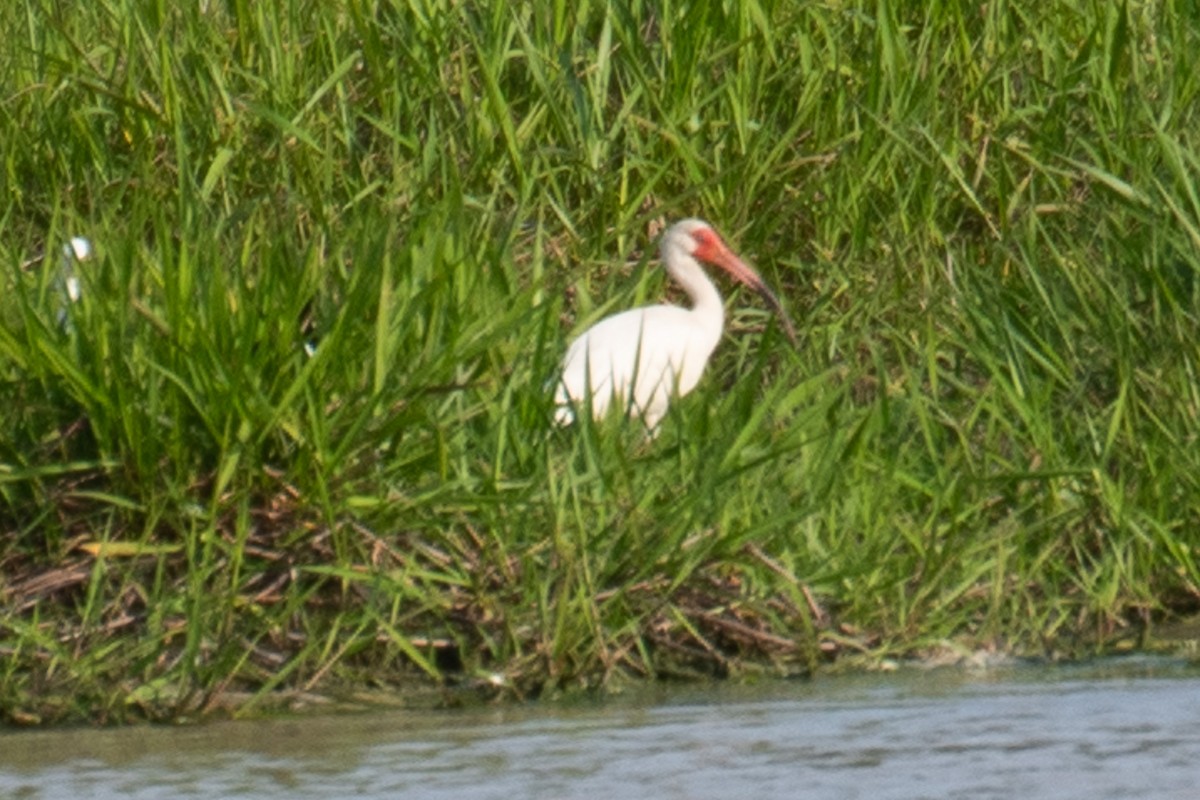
(75,251)
(640,359)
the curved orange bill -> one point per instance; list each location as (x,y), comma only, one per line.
(713,250)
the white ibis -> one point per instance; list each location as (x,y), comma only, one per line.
(74,252)
(639,359)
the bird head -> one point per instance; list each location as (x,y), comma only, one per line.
(698,240)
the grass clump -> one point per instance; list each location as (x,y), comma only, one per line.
(986,216)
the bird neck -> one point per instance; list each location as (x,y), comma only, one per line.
(706,300)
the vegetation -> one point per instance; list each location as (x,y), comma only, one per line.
(984,216)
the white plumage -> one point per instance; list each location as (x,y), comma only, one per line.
(640,359)
(74,252)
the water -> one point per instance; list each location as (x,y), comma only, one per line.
(1113,730)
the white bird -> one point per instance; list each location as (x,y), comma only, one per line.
(639,359)
(76,251)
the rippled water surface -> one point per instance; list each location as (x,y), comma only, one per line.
(1119,729)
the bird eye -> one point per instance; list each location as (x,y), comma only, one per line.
(708,243)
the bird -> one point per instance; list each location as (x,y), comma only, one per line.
(638,360)
(76,251)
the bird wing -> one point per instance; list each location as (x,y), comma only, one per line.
(643,356)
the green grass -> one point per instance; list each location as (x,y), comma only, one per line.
(985,218)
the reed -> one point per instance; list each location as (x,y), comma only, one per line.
(985,216)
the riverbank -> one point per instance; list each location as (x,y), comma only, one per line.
(294,436)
